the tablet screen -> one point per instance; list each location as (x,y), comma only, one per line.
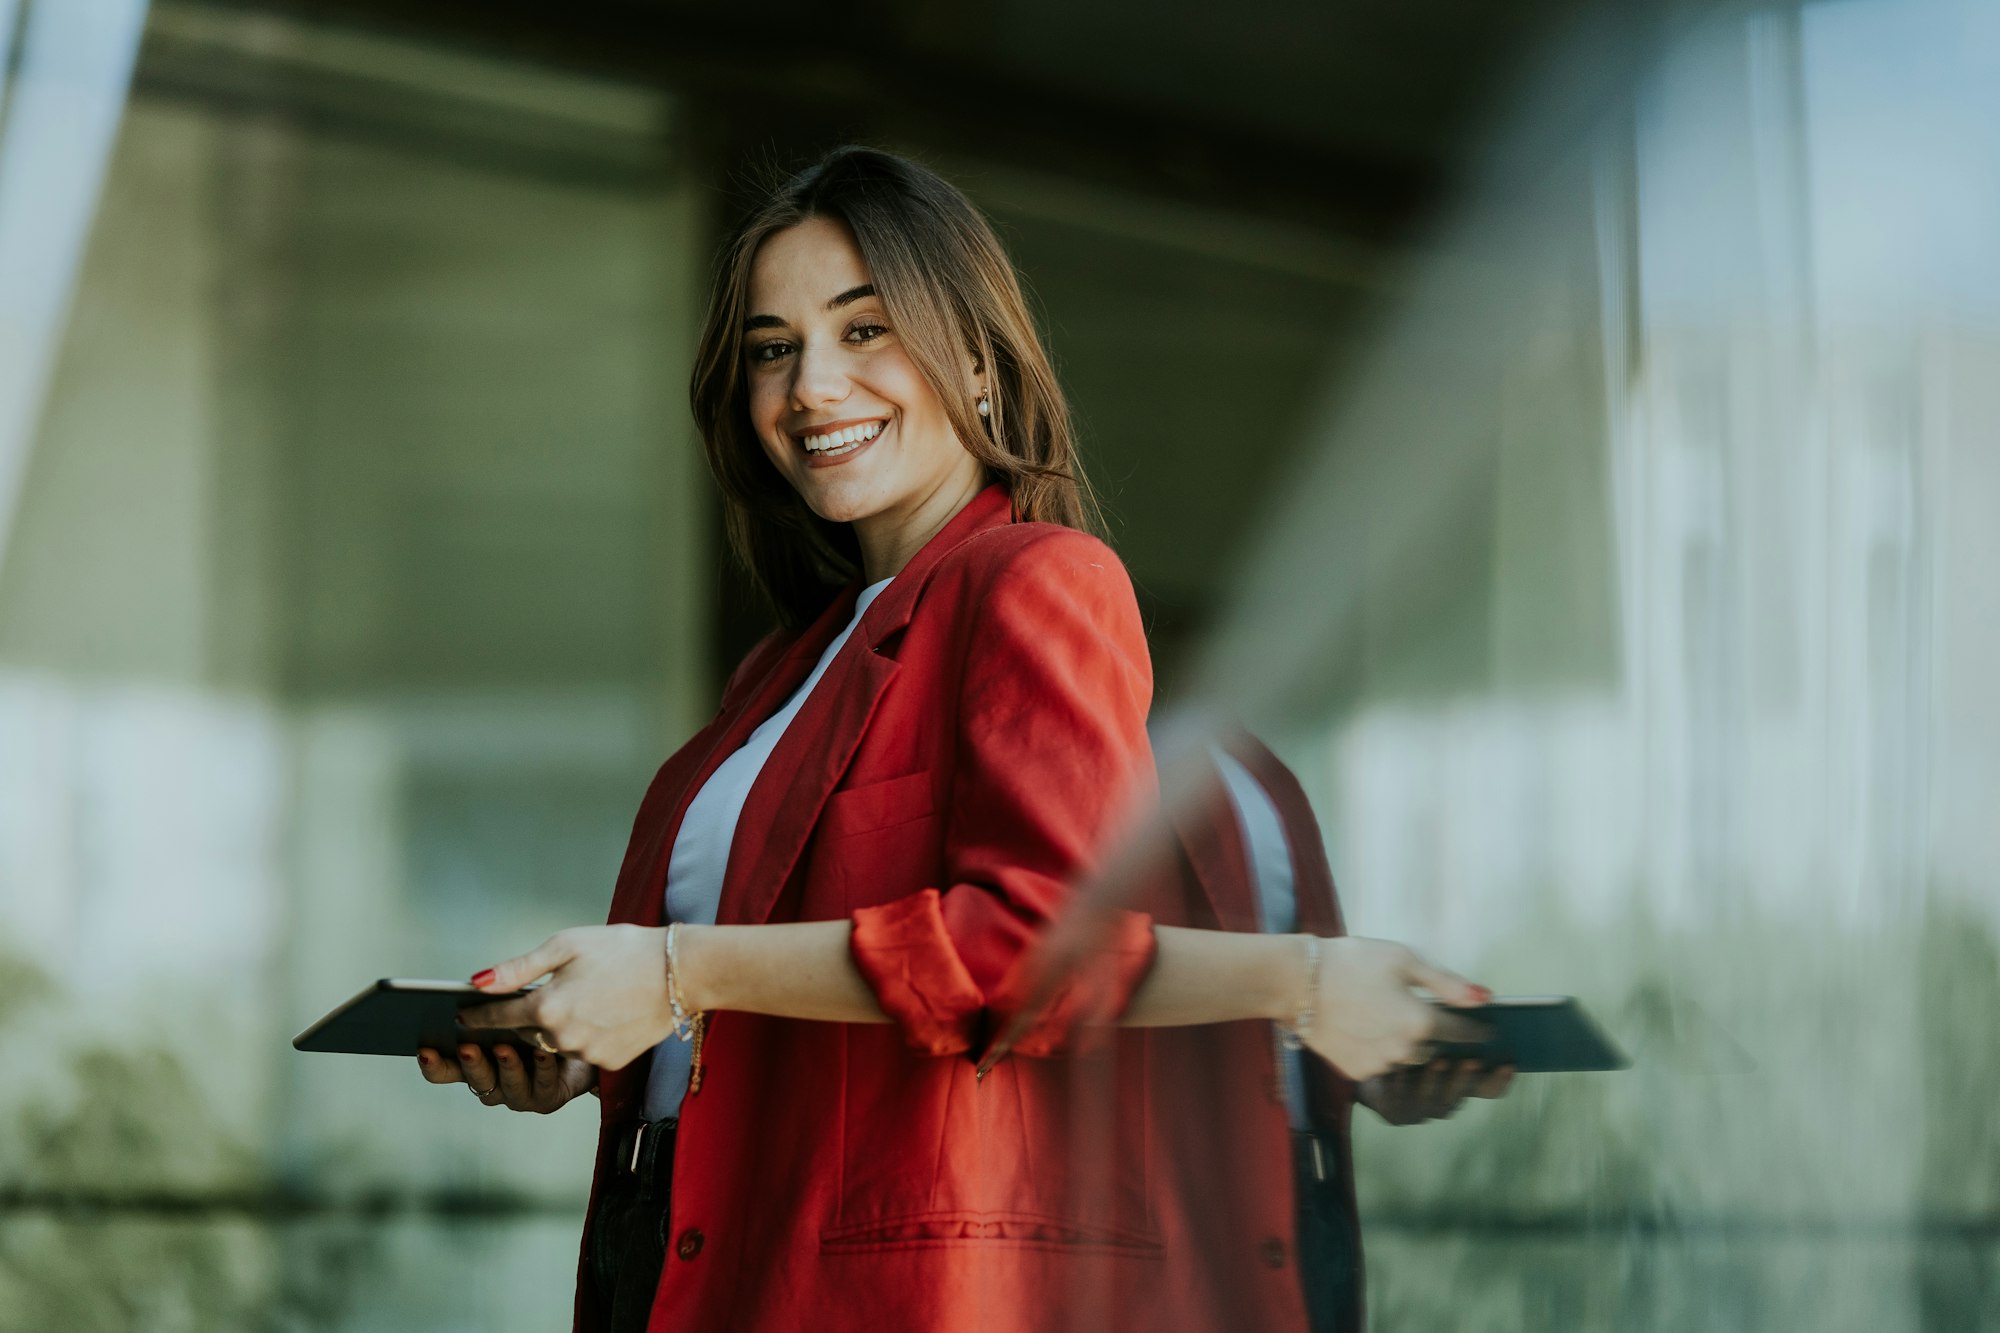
(1537,1034)
(395,1016)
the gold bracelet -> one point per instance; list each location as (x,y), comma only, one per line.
(688,1027)
(1300,1025)
(684,1023)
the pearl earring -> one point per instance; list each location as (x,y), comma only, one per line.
(985,408)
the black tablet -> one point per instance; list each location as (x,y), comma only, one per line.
(395,1016)
(1537,1034)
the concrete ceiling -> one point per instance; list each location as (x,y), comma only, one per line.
(1213,210)
(1347,115)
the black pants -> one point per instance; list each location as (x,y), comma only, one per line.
(1329,1258)
(628,1232)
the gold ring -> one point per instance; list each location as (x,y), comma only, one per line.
(482,1096)
(540,1041)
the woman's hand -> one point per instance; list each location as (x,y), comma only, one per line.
(605,1000)
(1366,1019)
(545,1083)
(1410,1096)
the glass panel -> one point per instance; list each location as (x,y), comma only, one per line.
(350,600)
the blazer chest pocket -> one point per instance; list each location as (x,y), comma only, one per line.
(876,806)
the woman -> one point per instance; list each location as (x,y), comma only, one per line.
(1250,857)
(897,793)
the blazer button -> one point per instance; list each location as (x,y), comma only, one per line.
(1272,1251)
(690,1244)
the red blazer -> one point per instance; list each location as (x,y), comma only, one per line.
(1224,1160)
(961,763)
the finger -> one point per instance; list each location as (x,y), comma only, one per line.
(575,1077)
(437,1068)
(547,1077)
(515,973)
(514,1077)
(1452,1086)
(1447,985)
(1496,1083)
(504,1014)
(1398,1081)
(1435,1089)
(1397,1101)
(479,1074)
(1464,1079)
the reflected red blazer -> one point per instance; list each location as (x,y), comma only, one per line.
(965,758)
(1223,1161)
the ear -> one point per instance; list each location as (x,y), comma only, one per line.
(975,374)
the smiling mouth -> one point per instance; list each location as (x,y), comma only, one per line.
(833,443)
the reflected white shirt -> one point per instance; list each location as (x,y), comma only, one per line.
(1269,853)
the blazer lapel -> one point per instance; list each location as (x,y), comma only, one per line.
(801,773)
(784,805)
(641,895)
(637,898)
(1312,876)
(1208,832)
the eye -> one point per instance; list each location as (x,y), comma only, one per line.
(766,352)
(866,331)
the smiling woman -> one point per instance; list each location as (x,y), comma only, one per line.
(828,907)
(871,291)
(842,410)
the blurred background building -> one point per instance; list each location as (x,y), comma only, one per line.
(1570,429)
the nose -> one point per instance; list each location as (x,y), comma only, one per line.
(817,379)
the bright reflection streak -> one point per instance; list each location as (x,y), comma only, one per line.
(68,93)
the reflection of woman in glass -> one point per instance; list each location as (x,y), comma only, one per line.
(1250,858)
(900,788)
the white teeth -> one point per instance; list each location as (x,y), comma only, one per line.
(842,441)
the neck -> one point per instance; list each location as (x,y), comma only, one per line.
(889,540)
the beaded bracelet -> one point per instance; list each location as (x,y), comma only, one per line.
(1302,1023)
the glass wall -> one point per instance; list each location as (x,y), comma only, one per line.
(356,579)
(1647,655)
(1611,561)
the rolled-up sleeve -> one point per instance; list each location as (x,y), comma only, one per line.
(1052,761)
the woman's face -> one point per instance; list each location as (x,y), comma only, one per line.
(841,410)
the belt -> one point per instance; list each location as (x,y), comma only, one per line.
(640,1145)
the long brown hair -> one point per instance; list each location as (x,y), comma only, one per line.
(948,287)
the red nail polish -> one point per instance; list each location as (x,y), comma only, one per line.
(1482,995)
(483,978)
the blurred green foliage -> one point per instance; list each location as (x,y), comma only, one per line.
(125,1205)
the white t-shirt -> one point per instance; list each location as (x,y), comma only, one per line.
(701,850)
(1270,855)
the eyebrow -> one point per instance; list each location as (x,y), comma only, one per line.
(848,297)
